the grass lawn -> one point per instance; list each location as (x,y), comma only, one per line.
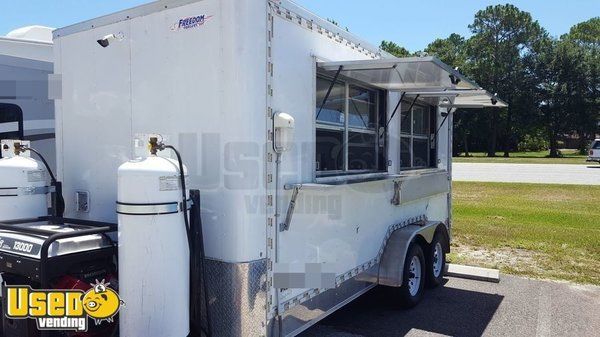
(569,157)
(534,230)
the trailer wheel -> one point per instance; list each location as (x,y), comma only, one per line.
(436,261)
(413,279)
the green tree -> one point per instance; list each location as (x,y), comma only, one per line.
(563,83)
(587,32)
(394,49)
(502,37)
(586,35)
(450,50)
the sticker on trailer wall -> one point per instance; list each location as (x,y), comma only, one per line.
(191,22)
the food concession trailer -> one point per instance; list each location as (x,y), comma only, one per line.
(323,164)
(26,111)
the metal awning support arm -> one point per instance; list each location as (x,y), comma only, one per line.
(337,74)
(410,108)
(290,212)
(448,112)
(395,109)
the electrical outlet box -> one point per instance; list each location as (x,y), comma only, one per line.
(82,201)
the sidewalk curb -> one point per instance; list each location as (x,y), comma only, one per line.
(473,273)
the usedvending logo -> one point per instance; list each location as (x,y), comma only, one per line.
(62,309)
(191,22)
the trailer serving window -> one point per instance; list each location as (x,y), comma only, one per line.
(415,135)
(347,124)
(427,81)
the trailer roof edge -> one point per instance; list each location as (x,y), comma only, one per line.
(123,15)
(158,6)
(294,7)
(24,41)
(16,51)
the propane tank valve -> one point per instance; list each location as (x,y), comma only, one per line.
(19,148)
(154,145)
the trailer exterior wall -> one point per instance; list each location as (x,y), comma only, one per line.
(203,88)
(343,225)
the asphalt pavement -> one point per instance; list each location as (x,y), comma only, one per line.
(527,173)
(514,307)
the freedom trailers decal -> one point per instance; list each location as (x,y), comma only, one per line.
(191,22)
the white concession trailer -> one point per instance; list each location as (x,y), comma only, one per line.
(323,163)
(26,111)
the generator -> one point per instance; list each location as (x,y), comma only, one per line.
(41,249)
(56,253)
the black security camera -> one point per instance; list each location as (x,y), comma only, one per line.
(105,41)
(454,79)
(494,100)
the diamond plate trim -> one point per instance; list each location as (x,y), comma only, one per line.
(307,295)
(237,297)
(303,316)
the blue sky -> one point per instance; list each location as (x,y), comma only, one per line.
(412,24)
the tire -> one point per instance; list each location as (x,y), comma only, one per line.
(436,261)
(413,285)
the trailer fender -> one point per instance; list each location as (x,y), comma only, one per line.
(396,248)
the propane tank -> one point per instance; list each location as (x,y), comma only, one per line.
(23,183)
(154,259)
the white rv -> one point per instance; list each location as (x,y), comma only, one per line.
(26,112)
(323,164)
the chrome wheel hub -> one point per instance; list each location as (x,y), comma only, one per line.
(437,259)
(414,279)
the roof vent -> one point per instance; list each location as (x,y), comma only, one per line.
(36,33)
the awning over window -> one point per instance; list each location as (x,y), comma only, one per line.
(476,99)
(459,98)
(428,77)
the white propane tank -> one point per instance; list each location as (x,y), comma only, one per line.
(23,184)
(154,275)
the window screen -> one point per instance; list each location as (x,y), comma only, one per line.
(333,111)
(347,124)
(330,150)
(405,157)
(362,108)
(415,130)
(361,151)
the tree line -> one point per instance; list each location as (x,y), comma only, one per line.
(551,84)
